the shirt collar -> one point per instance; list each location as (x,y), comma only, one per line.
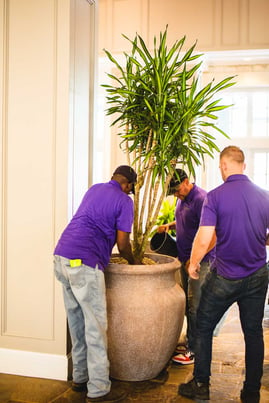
(115,183)
(237,177)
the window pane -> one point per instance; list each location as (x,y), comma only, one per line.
(239,115)
(261,169)
(260,118)
(233,120)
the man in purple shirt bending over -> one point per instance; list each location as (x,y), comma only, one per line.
(238,212)
(104,217)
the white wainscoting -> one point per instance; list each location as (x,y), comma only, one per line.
(38,365)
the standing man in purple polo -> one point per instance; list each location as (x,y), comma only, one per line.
(188,212)
(104,217)
(238,211)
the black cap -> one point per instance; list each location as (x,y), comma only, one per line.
(177,178)
(128,173)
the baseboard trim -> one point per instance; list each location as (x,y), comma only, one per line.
(39,365)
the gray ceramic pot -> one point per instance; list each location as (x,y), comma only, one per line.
(146,309)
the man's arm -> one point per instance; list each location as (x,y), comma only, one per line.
(124,247)
(167,227)
(212,242)
(204,241)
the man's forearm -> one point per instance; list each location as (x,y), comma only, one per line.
(125,248)
(167,227)
(127,254)
(202,243)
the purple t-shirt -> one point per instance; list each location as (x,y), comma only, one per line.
(91,234)
(188,214)
(240,212)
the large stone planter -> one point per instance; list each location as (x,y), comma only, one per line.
(146,309)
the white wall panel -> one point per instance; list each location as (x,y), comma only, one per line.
(124,22)
(46,72)
(258,30)
(34,97)
(215,24)
(230,23)
(195,19)
(30,155)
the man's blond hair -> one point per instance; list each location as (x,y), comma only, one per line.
(234,153)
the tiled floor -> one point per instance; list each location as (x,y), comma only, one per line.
(226,381)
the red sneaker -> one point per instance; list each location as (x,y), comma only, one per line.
(185,359)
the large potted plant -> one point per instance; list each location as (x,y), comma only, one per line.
(165,121)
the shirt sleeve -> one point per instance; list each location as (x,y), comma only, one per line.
(126,215)
(209,213)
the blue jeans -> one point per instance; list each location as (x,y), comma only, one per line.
(218,294)
(192,289)
(85,303)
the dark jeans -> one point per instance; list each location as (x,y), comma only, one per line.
(218,294)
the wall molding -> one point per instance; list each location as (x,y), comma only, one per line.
(237,57)
(39,365)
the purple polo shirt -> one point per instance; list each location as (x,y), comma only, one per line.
(91,234)
(240,212)
(188,214)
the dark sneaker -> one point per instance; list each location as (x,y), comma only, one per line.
(115,395)
(79,387)
(194,389)
(249,397)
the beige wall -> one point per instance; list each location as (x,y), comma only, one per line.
(216,24)
(45,58)
(46,136)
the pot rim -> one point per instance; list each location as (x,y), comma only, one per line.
(164,263)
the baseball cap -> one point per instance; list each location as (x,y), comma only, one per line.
(129,173)
(177,178)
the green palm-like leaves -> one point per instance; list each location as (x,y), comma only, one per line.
(165,119)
